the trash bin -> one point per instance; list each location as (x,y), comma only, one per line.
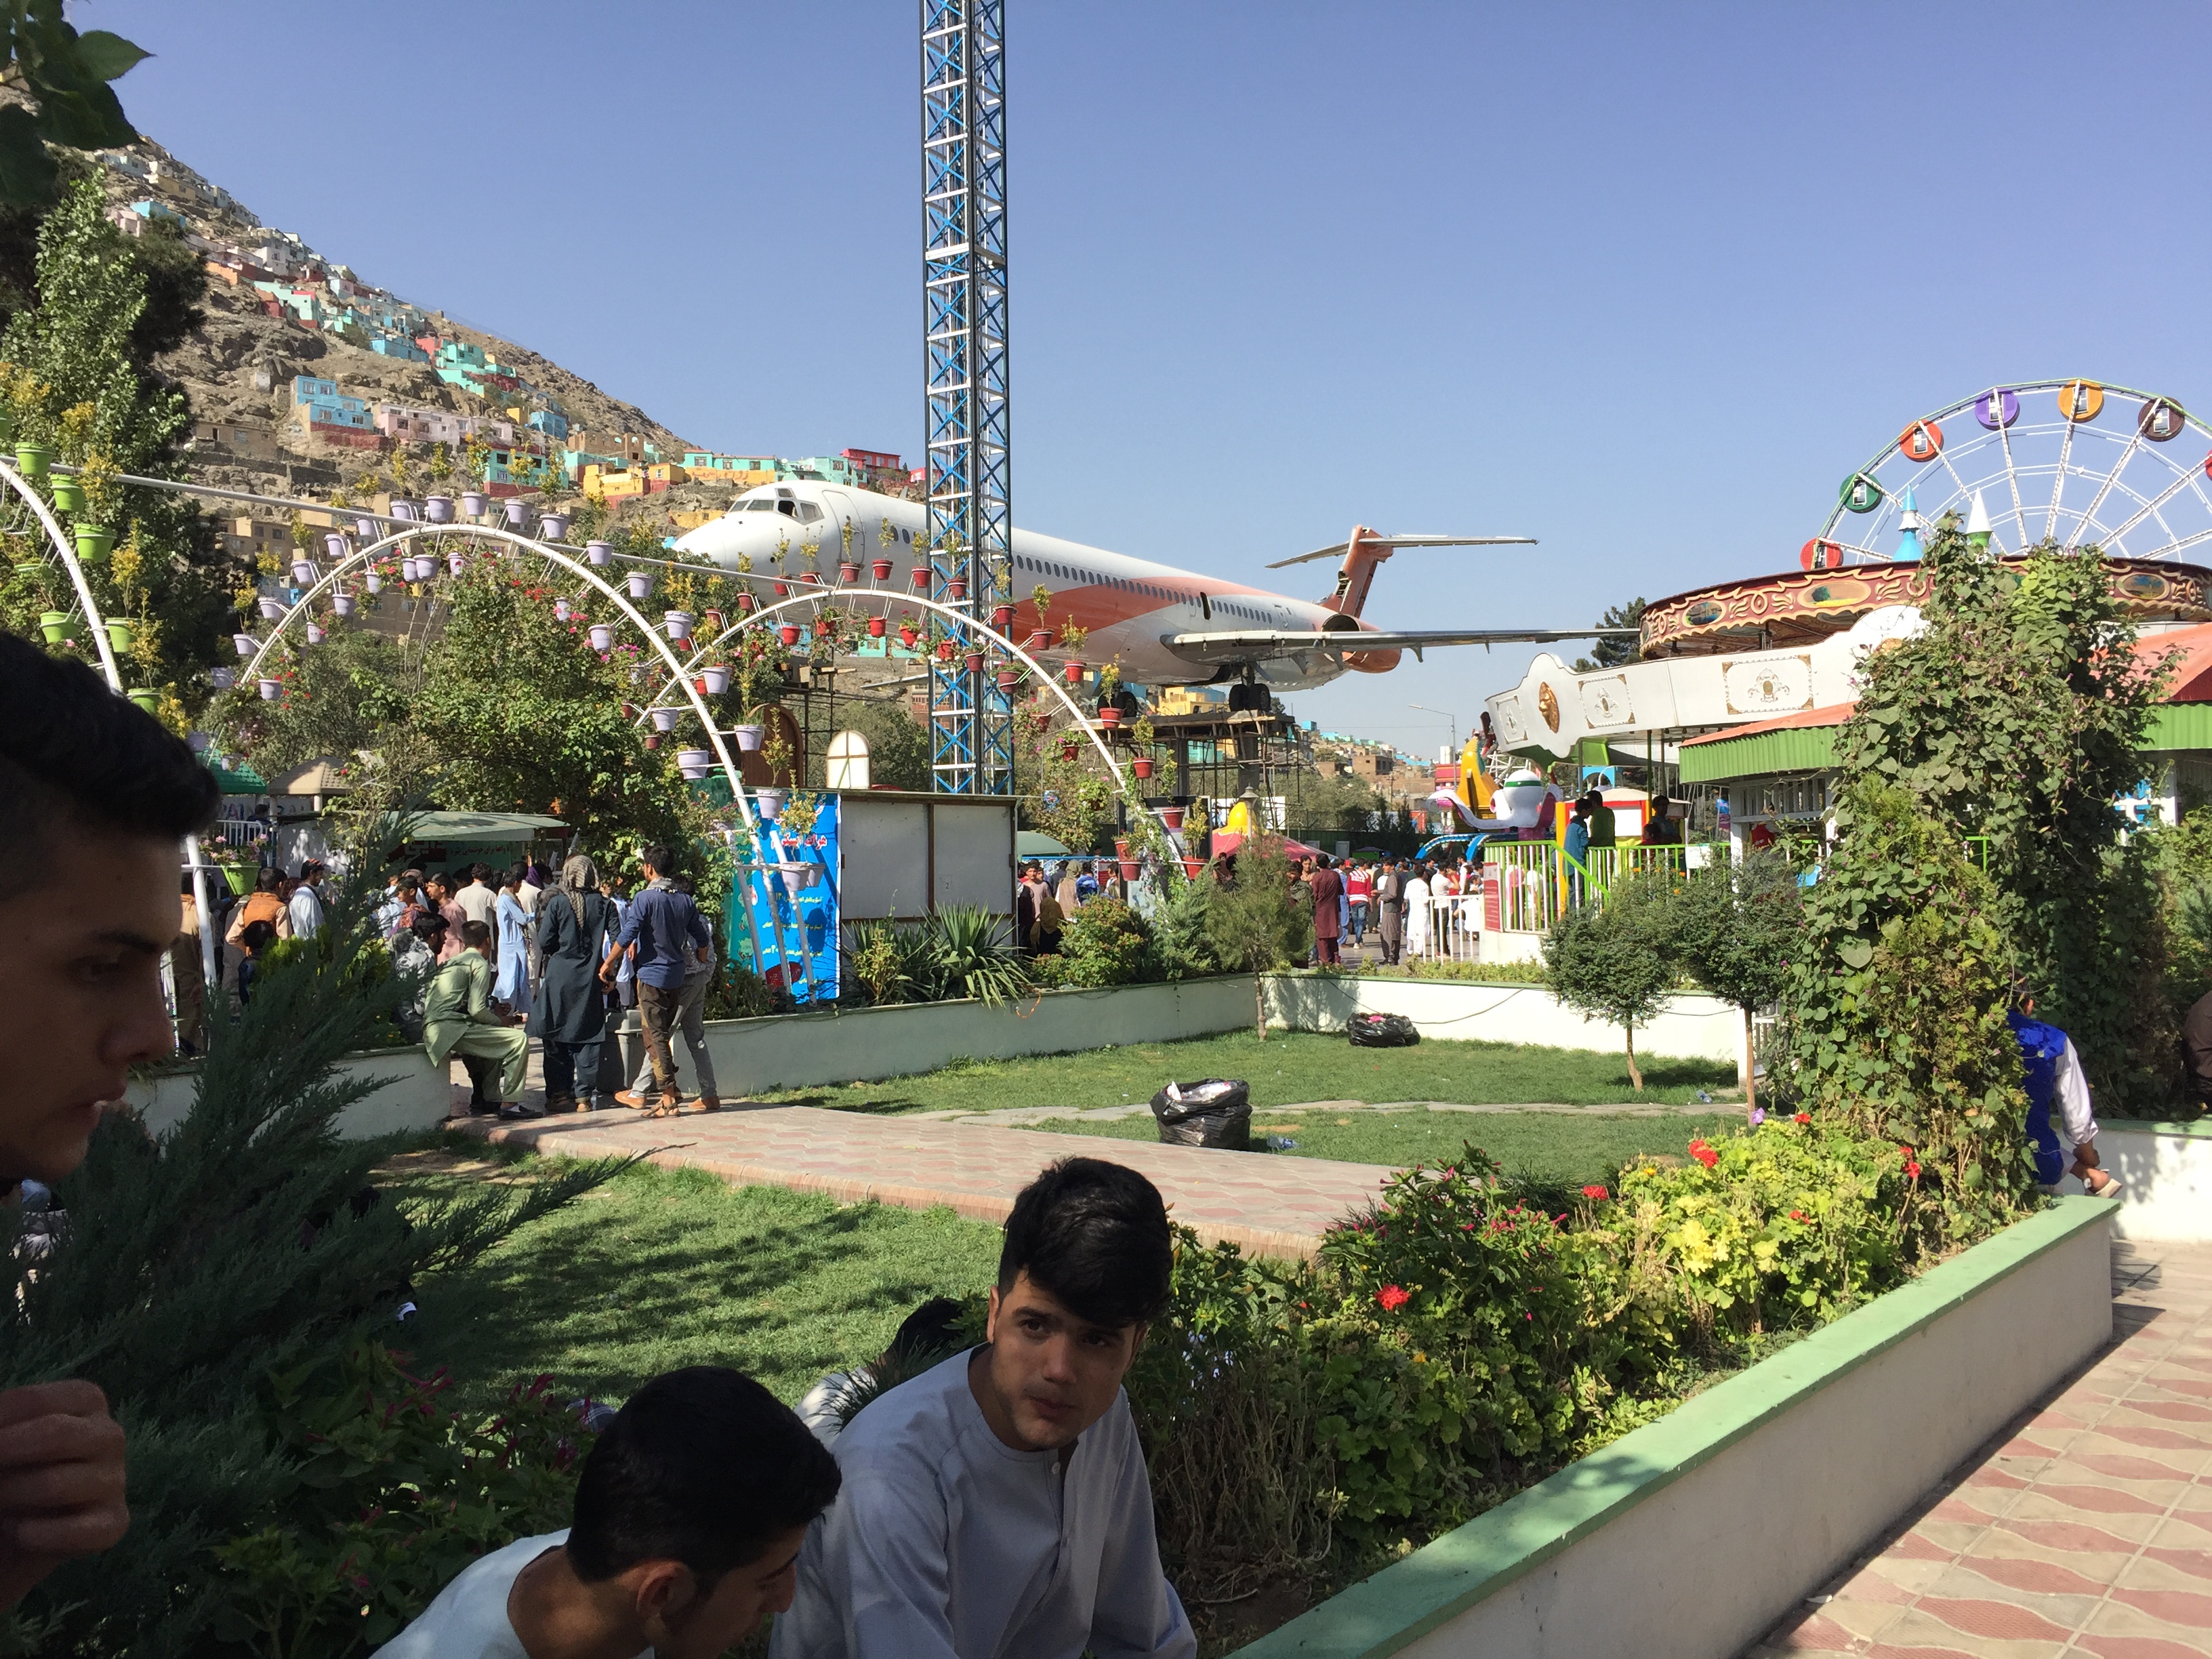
(1381,1032)
(1217,1112)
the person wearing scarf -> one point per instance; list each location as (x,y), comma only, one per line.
(576,927)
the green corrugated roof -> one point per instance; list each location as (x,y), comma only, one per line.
(239,779)
(1793,749)
(2180,726)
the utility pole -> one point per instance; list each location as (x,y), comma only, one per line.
(970,527)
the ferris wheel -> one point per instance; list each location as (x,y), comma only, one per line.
(2078,462)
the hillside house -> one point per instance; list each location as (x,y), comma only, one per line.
(612,485)
(398,347)
(551,423)
(877,471)
(706,466)
(234,438)
(319,410)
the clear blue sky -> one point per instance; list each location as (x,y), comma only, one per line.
(1644,281)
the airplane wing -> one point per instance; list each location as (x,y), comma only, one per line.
(1338,550)
(1259,644)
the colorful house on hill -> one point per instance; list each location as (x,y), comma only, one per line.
(877,469)
(462,364)
(319,410)
(744,471)
(398,347)
(550,422)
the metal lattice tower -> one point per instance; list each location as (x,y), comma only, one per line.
(963,201)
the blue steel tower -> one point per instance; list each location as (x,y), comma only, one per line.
(963,201)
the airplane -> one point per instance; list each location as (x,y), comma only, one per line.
(1162,625)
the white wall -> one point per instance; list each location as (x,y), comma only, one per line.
(1693,1027)
(416,1095)
(2167,1172)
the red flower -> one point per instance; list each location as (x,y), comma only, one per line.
(1392,1297)
(1594,1192)
(1911,1170)
(1704,1154)
(1797,1215)
(1802,1117)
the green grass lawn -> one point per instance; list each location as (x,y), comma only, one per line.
(1289,1067)
(661,1268)
(1564,1147)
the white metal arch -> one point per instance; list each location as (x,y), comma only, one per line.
(684,675)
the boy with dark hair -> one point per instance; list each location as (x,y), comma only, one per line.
(459,1023)
(670,935)
(689,1513)
(95,799)
(998,1504)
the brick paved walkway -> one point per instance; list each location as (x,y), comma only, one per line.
(1274,1206)
(2087,1532)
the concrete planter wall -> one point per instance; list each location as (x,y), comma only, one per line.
(1693,1027)
(2167,1168)
(415,1095)
(865,1044)
(1690,1537)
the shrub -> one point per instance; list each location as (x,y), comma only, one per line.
(1615,962)
(1104,943)
(393,1495)
(1254,922)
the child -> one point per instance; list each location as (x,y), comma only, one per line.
(256,937)
(689,1513)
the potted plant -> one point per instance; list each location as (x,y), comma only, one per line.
(715,678)
(907,632)
(789,632)
(848,568)
(1009,678)
(1141,738)
(1002,617)
(876,626)
(975,661)
(1072,636)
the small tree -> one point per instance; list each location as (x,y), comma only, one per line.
(1255,923)
(1738,923)
(1612,963)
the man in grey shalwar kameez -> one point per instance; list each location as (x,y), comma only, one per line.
(998,1505)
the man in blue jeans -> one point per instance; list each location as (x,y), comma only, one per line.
(669,934)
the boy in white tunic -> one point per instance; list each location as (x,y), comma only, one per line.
(998,1505)
(690,1511)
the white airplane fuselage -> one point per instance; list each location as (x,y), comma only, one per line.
(1128,607)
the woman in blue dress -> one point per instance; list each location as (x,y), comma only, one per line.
(512,985)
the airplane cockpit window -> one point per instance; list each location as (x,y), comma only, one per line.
(764,505)
(788,507)
(808,513)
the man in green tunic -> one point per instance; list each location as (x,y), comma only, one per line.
(458,1019)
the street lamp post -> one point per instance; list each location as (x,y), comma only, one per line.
(1449,717)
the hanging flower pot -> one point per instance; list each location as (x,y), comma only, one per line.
(457,563)
(150,701)
(270,688)
(246,643)
(600,553)
(876,626)
(945,651)
(882,569)
(701,758)
(783,590)
(367,529)
(679,623)
(641,584)
(824,627)
(750,738)
(664,720)
(975,659)
(789,632)
(812,578)
(603,637)
(272,608)
(1121,847)
(956,588)
(92,542)
(69,495)
(553,526)
(920,575)
(374,581)
(315,634)
(711,619)
(342,604)
(119,636)
(745,602)
(1193,867)
(562,609)
(653,740)
(439,509)
(1129,870)
(1039,640)
(31,459)
(406,511)
(1068,747)
(1009,678)
(303,573)
(335,545)
(908,635)
(1002,617)
(223,679)
(54,624)
(770,803)
(849,572)
(518,513)
(1073,672)
(715,678)
(1171,818)
(1109,717)
(1142,766)
(472,503)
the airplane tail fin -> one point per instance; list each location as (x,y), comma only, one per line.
(1363,555)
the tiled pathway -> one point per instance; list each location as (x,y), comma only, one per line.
(2087,1532)
(1275,1206)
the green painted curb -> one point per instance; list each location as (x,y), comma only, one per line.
(1410,1598)
(2200,1129)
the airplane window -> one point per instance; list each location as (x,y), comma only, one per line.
(808,513)
(760,506)
(789,509)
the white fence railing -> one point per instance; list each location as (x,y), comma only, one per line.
(1534,881)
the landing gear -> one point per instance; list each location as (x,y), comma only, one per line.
(1247,696)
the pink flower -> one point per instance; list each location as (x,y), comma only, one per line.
(1594,1192)
(1392,1297)
(1704,1154)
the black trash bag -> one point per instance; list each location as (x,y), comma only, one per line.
(1381,1032)
(1215,1113)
